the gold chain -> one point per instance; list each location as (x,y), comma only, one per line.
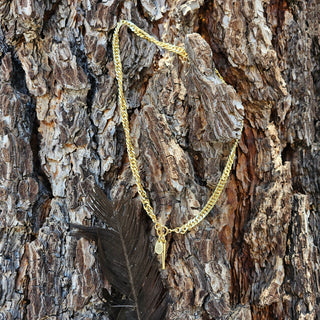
(161,230)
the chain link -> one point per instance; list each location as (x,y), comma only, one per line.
(160,229)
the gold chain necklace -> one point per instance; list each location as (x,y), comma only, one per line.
(161,230)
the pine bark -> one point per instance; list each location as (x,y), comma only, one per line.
(256,255)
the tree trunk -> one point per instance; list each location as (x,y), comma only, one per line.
(256,255)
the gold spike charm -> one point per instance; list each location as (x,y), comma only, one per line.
(164,254)
(160,247)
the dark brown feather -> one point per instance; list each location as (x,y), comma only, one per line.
(124,256)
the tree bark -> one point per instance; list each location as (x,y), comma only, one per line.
(256,255)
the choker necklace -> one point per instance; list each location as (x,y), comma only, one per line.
(161,230)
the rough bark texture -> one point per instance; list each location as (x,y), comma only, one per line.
(256,256)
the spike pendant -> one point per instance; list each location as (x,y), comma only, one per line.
(160,248)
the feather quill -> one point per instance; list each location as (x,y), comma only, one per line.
(124,257)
